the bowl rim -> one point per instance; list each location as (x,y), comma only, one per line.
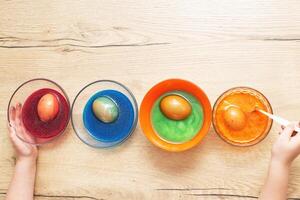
(254,142)
(133,125)
(161,88)
(64,94)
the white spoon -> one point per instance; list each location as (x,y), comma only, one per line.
(278,119)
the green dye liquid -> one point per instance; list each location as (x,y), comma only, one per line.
(178,131)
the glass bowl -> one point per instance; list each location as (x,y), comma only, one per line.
(80,102)
(22,94)
(259,96)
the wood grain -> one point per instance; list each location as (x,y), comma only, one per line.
(215,44)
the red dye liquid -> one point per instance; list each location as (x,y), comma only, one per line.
(32,122)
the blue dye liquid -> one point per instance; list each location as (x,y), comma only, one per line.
(110,132)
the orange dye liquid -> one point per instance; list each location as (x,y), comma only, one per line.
(256,124)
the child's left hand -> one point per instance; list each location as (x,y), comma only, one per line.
(24,151)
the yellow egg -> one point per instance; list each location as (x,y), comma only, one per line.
(47,107)
(235,118)
(175,107)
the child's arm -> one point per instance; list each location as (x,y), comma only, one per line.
(285,150)
(22,184)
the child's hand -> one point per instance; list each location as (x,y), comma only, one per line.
(24,151)
(287,147)
(22,184)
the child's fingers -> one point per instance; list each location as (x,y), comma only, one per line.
(19,124)
(18,120)
(12,115)
(18,110)
(20,128)
(296,126)
(11,130)
(18,114)
(13,137)
(295,133)
(287,132)
(296,140)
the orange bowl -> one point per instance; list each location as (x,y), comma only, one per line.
(158,90)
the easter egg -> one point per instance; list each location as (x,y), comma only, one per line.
(47,107)
(235,118)
(105,109)
(175,107)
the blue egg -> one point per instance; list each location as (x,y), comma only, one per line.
(105,109)
(117,130)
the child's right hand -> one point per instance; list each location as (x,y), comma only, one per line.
(24,151)
(287,147)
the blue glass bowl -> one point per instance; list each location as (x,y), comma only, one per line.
(88,128)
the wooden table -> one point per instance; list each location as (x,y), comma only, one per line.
(215,44)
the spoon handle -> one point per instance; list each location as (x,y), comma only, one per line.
(278,119)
